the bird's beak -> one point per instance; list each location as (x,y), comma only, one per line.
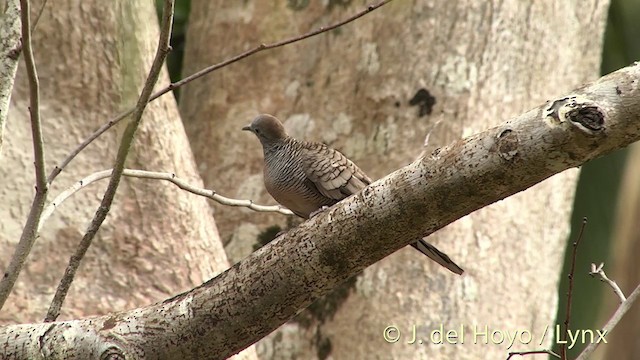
(247,128)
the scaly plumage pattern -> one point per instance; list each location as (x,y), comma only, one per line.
(306,176)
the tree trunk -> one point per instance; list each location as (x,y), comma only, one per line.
(158,240)
(622,265)
(374,89)
(9,55)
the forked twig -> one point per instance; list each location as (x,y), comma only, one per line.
(599,270)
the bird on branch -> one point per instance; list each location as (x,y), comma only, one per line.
(307,177)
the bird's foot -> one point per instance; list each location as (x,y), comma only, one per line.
(323,208)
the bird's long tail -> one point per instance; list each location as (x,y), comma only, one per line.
(438,256)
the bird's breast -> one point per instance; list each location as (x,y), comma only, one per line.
(286,181)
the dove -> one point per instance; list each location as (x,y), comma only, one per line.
(307,177)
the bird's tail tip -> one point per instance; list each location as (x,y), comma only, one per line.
(438,256)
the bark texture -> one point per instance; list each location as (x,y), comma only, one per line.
(374,89)
(158,240)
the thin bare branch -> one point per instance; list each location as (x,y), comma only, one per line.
(533,352)
(572,271)
(29,232)
(58,169)
(324,251)
(598,270)
(171,177)
(35,22)
(125,144)
(613,321)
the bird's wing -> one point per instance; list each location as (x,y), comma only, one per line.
(336,177)
(333,174)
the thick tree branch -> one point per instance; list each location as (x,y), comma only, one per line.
(209,69)
(125,144)
(254,297)
(29,232)
(171,177)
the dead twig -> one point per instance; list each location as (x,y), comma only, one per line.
(563,347)
(598,270)
(613,321)
(533,352)
(171,177)
(563,350)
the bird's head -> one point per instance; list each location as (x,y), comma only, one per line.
(267,128)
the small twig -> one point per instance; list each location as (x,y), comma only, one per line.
(35,22)
(123,151)
(613,321)
(58,169)
(563,347)
(598,270)
(171,177)
(427,138)
(533,352)
(29,232)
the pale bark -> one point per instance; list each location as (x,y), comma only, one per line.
(352,89)
(260,293)
(9,55)
(93,57)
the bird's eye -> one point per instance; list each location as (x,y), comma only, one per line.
(257,131)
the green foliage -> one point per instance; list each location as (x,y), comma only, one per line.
(621,46)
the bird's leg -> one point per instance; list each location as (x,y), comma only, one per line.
(323,208)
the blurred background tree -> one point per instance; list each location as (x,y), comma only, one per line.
(608,196)
(603,196)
